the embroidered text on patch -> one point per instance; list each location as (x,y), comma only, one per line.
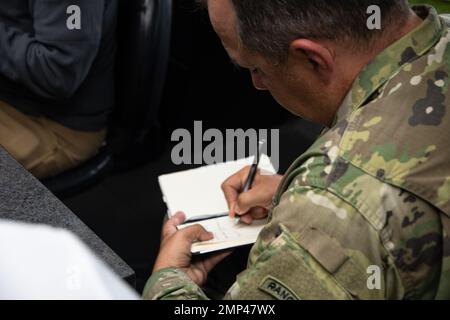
(276,289)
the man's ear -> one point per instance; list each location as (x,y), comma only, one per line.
(320,57)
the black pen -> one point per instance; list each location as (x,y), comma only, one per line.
(252,174)
(254,168)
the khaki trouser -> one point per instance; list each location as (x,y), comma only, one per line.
(43,146)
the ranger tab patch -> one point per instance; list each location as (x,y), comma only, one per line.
(277,289)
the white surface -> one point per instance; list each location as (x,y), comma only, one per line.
(40,262)
(198,192)
(228,233)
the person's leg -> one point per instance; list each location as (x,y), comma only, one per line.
(72,148)
(42,146)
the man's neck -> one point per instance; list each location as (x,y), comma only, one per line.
(352,64)
(356,64)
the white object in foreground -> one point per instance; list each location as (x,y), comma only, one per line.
(41,262)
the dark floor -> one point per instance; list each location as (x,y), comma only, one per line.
(126,210)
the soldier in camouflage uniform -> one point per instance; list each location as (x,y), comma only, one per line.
(372,193)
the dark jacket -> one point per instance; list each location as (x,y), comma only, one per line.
(55,65)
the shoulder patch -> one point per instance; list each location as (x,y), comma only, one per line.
(277,289)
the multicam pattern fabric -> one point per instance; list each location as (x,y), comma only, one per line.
(372,194)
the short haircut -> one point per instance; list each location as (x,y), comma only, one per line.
(269,26)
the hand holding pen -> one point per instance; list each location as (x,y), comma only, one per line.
(249,193)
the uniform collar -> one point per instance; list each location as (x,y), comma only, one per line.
(390,61)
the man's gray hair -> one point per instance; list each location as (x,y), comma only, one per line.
(269,26)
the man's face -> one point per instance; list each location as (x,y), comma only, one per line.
(294,84)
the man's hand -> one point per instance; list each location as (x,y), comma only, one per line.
(255,203)
(175,251)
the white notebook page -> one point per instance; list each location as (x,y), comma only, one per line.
(227,233)
(198,192)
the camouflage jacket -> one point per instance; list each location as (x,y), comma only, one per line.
(365,212)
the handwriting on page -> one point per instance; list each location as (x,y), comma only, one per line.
(226,229)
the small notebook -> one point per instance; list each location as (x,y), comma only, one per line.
(198,194)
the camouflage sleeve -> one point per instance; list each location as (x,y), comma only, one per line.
(319,246)
(172,284)
(316,247)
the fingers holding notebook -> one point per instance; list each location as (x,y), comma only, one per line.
(171,225)
(175,251)
(205,203)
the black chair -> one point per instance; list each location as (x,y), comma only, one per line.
(143,36)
